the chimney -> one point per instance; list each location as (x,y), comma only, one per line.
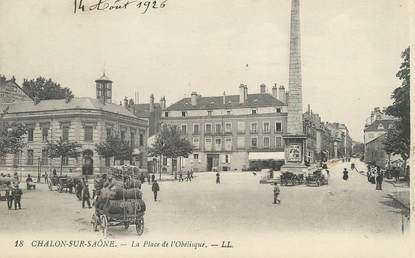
(308,109)
(275,91)
(224,98)
(126,102)
(281,94)
(151,103)
(241,94)
(194,98)
(163,103)
(262,88)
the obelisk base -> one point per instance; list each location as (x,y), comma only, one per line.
(294,154)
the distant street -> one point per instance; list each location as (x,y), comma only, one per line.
(239,205)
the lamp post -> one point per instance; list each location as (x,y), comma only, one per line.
(38,169)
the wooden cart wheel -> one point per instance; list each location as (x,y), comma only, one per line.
(95,222)
(126,225)
(104,225)
(139,226)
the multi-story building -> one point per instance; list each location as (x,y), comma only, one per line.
(10,91)
(227,131)
(150,111)
(86,121)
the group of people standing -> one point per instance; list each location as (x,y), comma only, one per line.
(13,194)
(375,176)
(189,176)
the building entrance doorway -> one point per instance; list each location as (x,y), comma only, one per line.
(212,162)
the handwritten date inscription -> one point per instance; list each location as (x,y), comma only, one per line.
(112,5)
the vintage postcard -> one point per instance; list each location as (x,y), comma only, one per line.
(209,128)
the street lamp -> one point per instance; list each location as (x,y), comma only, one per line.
(38,169)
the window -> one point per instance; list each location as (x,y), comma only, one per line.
(122,136)
(141,139)
(253,111)
(210,113)
(254,128)
(265,127)
(65,133)
(241,142)
(3,159)
(107,162)
(241,127)
(195,156)
(227,158)
(196,129)
(109,132)
(196,142)
(132,139)
(278,110)
(166,114)
(228,144)
(218,144)
(30,134)
(278,127)
(184,114)
(208,128)
(184,129)
(218,128)
(208,144)
(29,157)
(45,157)
(164,161)
(228,112)
(254,142)
(228,127)
(89,133)
(65,161)
(45,134)
(266,142)
(278,141)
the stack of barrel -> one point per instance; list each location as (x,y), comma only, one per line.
(121,198)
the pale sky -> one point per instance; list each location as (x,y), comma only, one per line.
(350,49)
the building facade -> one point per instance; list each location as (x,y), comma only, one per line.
(10,91)
(227,131)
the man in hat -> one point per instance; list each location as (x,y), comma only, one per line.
(17,195)
(9,195)
(155,188)
(85,194)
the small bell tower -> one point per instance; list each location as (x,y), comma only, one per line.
(104,89)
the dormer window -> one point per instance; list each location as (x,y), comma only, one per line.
(210,112)
(166,114)
(228,112)
(183,113)
(278,110)
(253,111)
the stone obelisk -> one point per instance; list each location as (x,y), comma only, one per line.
(295,138)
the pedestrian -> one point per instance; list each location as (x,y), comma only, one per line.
(54,172)
(153,178)
(276,193)
(155,188)
(191,174)
(85,194)
(180,176)
(188,177)
(379,180)
(9,195)
(217,178)
(345,174)
(17,196)
(46,178)
(142,178)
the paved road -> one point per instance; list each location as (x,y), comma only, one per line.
(238,206)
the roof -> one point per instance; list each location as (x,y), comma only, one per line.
(231,101)
(143,110)
(374,127)
(103,78)
(13,82)
(60,104)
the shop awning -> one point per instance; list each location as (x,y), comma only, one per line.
(266,155)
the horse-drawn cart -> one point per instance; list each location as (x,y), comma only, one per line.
(289,178)
(316,178)
(102,220)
